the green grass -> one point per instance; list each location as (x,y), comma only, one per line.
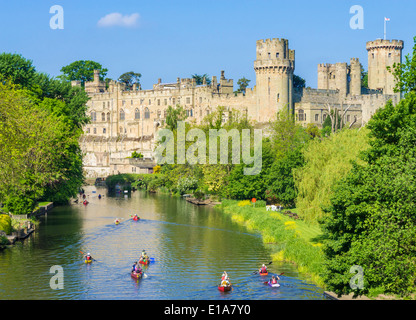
(292,240)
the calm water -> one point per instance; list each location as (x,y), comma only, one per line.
(191,247)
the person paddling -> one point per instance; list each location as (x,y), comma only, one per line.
(263,269)
(88,257)
(274,279)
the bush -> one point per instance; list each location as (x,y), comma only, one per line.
(5,223)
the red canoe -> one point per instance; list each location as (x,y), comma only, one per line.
(136,276)
(264,274)
(224,289)
(136,218)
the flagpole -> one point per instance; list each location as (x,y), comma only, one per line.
(385,29)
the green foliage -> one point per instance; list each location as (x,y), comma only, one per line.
(327,161)
(173,115)
(83,70)
(136,155)
(199,79)
(298,82)
(130,78)
(242,85)
(280,183)
(5,223)
(405,73)
(372,216)
(186,184)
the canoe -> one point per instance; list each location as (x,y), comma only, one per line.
(117,223)
(274,285)
(144,262)
(224,289)
(264,274)
(136,276)
(136,218)
(88,261)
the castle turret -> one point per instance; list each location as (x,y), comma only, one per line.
(381,54)
(274,69)
(355,77)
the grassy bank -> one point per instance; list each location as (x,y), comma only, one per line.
(292,240)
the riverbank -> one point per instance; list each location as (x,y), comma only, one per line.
(24,225)
(291,240)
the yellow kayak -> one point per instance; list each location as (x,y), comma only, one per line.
(88,261)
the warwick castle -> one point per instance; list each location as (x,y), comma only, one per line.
(125,120)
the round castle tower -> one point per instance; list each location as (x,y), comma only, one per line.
(381,54)
(274,67)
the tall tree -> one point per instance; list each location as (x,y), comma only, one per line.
(83,70)
(242,84)
(298,82)
(130,78)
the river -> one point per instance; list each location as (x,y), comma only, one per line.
(191,247)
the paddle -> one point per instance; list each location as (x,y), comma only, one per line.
(91,257)
(255,272)
(279,275)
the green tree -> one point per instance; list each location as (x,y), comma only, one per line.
(242,85)
(83,70)
(372,215)
(173,115)
(405,73)
(130,78)
(199,79)
(298,82)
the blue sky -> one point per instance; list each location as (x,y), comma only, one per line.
(179,38)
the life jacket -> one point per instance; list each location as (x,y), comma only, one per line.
(88,257)
(263,269)
(274,281)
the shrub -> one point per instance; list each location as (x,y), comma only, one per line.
(5,223)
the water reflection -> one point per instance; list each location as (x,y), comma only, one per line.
(191,247)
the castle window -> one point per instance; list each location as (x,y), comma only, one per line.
(166,102)
(122,115)
(146,113)
(88,130)
(137,114)
(389,54)
(104,130)
(108,116)
(192,112)
(301,115)
(269,55)
(324,117)
(95,130)
(372,55)
(188,100)
(103,116)
(173,101)
(158,102)
(278,97)
(277,54)
(158,114)
(316,117)
(93,116)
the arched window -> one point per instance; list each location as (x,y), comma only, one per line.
(93,116)
(122,115)
(146,113)
(108,116)
(103,116)
(137,114)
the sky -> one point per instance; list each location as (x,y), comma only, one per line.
(169,39)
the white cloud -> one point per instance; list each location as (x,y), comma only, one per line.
(117,19)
